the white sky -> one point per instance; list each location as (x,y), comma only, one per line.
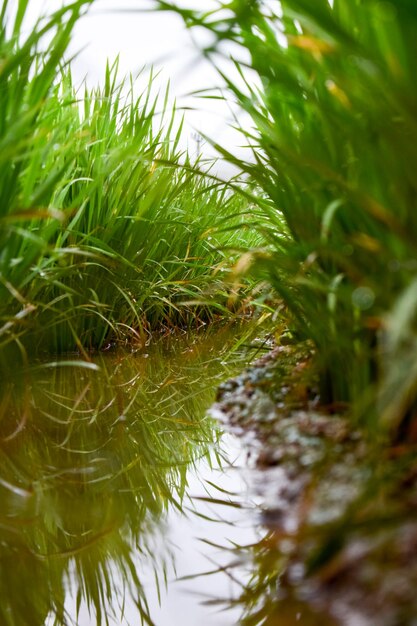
(145,39)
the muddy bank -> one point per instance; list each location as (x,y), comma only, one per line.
(339,513)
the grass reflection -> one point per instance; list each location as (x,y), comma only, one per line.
(90,462)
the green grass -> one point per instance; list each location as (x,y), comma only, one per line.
(107,229)
(332,97)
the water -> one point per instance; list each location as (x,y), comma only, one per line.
(118,491)
(184,536)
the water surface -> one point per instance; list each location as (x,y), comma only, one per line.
(115,485)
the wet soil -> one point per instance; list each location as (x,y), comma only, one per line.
(340,511)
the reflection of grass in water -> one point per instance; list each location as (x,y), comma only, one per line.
(336,552)
(100,459)
(265,585)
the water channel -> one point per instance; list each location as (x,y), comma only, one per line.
(119,493)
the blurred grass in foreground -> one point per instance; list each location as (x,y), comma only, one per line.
(332,95)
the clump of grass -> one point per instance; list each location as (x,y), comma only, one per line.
(107,230)
(332,96)
(141,234)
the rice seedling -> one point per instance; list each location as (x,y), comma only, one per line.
(330,89)
(107,228)
(28,69)
(144,235)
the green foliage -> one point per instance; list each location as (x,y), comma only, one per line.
(332,96)
(27,71)
(106,229)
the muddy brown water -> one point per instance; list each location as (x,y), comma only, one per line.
(121,499)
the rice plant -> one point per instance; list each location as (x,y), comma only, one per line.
(28,69)
(331,93)
(106,228)
(140,234)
